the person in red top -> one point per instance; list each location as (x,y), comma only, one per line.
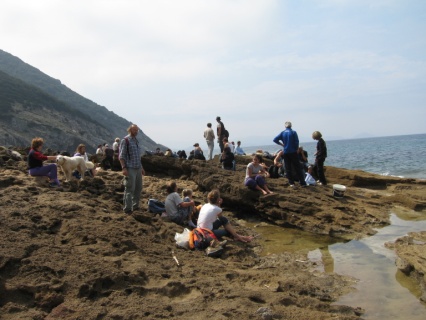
(35,163)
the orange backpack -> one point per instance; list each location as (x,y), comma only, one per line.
(200,238)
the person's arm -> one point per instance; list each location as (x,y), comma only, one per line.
(277,140)
(186,204)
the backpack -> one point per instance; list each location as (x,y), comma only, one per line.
(200,238)
(156,206)
(273,172)
(225,133)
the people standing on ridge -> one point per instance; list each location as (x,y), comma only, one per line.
(320,156)
(289,140)
(130,160)
(220,133)
(209,136)
(238,150)
(35,163)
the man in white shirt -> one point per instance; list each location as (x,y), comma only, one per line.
(209,136)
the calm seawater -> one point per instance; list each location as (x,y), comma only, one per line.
(401,156)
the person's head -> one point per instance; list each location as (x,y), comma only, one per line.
(171,187)
(106,145)
(238,143)
(310,168)
(257,158)
(99,146)
(214,196)
(36,143)
(225,140)
(300,149)
(218,119)
(316,135)
(81,149)
(133,130)
(287,124)
(233,143)
(209,125)
(187,193)
(157,150)
(197,145)
(117,140)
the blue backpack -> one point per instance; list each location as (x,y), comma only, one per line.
(156,206)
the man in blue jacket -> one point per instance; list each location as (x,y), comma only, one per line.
(289,140)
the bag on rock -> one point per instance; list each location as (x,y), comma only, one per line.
(156,206)
(201,238)
(182,239)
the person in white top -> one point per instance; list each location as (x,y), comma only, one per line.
(211,218)
(310,181)
(209,136)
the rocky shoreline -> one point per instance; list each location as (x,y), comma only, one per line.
(70,252)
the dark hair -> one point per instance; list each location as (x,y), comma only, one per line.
(259,157)
(209,125)
(171,187)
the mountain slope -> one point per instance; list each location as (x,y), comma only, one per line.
(97,120)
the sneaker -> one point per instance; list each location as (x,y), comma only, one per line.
(214,252)
(292,185)
(128,212)
(319,183)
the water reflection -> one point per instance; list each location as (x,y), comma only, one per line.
(382,290)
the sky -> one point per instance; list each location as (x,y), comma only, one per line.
(348,68)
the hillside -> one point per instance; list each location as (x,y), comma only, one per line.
(35,104)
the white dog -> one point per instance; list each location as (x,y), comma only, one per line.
(69,164)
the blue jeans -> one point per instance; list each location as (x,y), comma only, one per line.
(219,233)
(133,189)
(50,170)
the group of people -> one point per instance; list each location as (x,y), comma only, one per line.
(183,211)
(295,162)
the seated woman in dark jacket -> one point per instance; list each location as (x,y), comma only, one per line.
(227,159)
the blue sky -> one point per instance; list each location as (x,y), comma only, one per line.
(349,69)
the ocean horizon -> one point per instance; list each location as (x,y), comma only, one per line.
(399,156)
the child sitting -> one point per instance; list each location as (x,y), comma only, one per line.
(310,181)
(187,197)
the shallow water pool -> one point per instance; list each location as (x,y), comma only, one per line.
(381,290)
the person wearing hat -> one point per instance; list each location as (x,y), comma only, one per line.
(289,140)
(209,136)
(220,133)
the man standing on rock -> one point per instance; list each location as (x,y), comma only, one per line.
(130,160)
(289,140)
(209,136)
(220,133)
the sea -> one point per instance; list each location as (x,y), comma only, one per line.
(399,156)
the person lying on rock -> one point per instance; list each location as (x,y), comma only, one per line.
(211,217)
(35,163)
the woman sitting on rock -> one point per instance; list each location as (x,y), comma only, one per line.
(81,152)
(177,210)
(35,163)
(256,174)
